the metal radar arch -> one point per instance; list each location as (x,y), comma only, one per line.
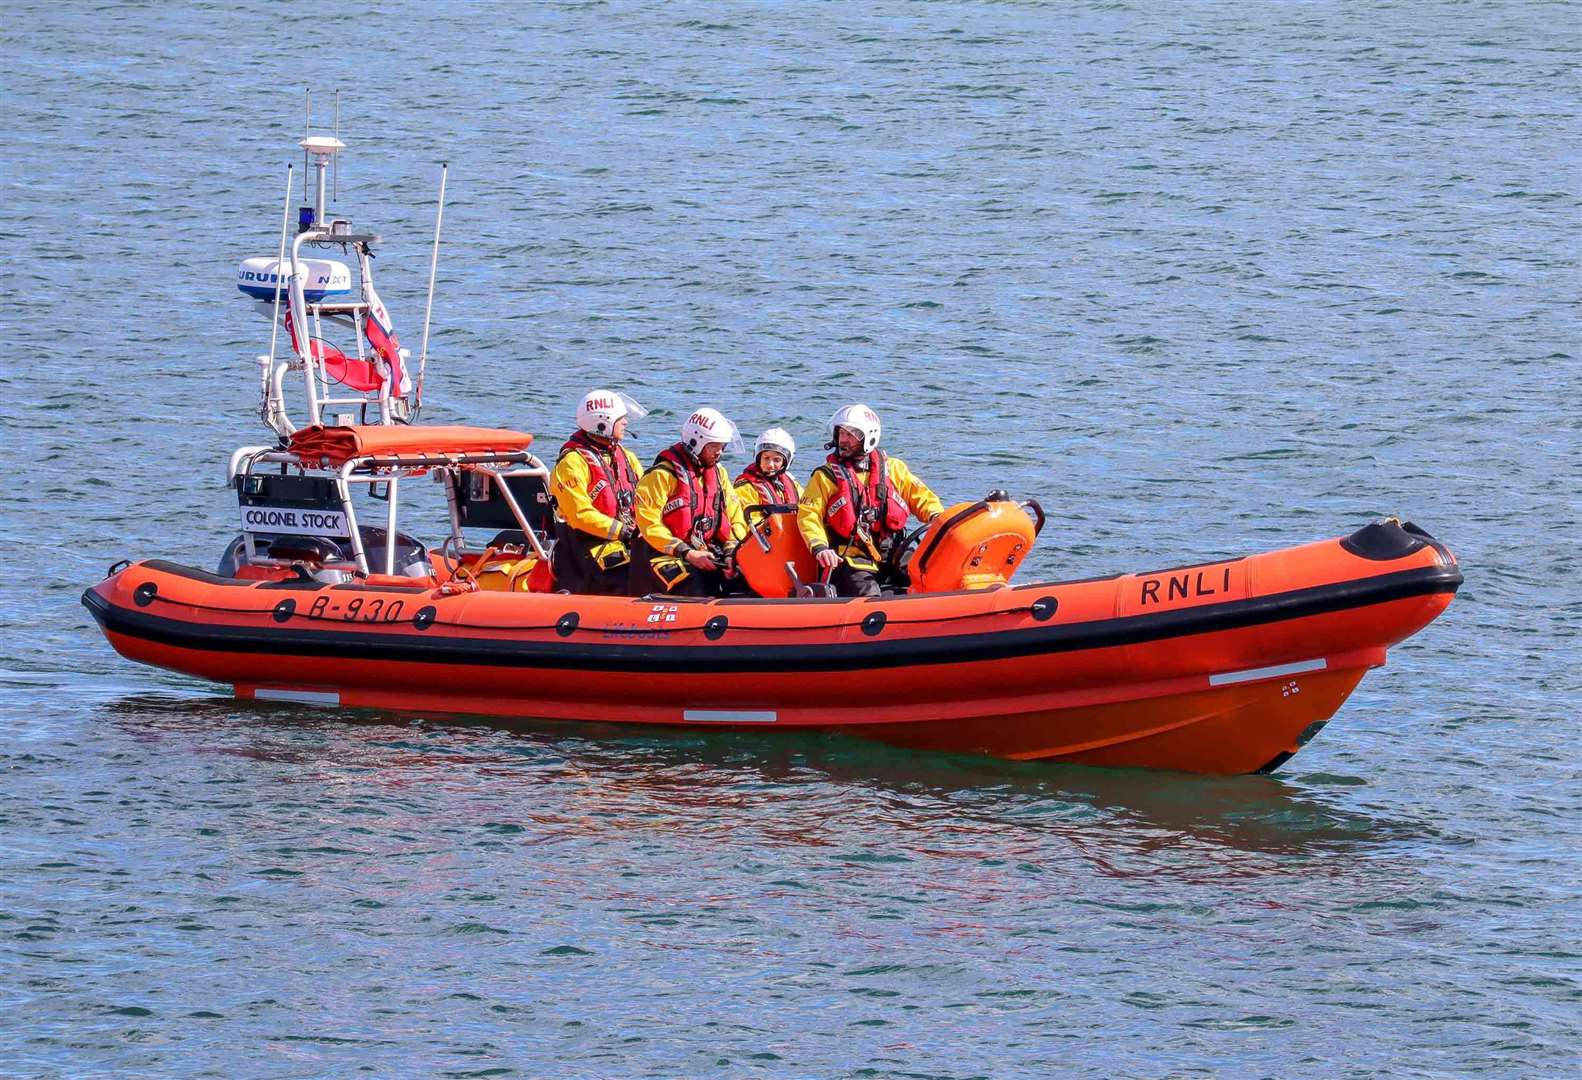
(319,281)
(305,290)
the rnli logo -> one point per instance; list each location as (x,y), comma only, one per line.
(600,403)
(1186,585)
(703,421)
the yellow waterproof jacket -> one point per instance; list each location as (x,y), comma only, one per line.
(657,488)
(747,492)
(821,488)
(568,486)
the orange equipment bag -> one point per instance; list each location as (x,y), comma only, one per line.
(974,545)
(774,542)
(514,573)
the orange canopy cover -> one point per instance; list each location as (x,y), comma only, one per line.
(340,444)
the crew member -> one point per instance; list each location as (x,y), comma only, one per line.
(857,503)
(594,486)
(688,519)
(768,480)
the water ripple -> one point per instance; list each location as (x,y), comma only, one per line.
(1206,281)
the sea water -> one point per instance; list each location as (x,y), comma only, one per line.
(1206,279)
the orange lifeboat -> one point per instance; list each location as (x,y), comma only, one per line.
(1225,667)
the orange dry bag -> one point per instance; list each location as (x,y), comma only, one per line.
(974,545)
(772,543)
(515,573)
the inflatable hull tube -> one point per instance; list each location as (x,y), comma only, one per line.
(1225,667)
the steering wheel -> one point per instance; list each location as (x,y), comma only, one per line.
(895,561)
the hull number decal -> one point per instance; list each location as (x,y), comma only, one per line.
(358,610)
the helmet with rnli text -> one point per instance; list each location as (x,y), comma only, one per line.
(601,410)
(780,441)
(707,426)
(859,418)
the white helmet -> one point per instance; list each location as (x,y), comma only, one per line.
(861,419)
(601,410)
(710,426)
(779,440)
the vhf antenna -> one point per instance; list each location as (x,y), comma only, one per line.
(319,153)
(307,130)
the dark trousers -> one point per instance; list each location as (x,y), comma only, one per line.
(645,579)
(575,568)
(850,581)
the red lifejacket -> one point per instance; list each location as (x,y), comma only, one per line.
(611,494)
(696,514)
(778,489)
(875,504)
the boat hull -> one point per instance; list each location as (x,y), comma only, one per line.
(1225,668)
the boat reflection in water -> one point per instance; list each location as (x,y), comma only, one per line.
(548,783)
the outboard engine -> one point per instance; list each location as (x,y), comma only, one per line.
(299,519)
(326,555)
(411,557)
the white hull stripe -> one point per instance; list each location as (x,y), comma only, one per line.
(729,716)
(1298,667)
(301,697)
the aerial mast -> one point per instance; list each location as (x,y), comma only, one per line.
(376,379)
(321,149)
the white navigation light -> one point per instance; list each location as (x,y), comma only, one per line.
(323,145)
(321,148)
